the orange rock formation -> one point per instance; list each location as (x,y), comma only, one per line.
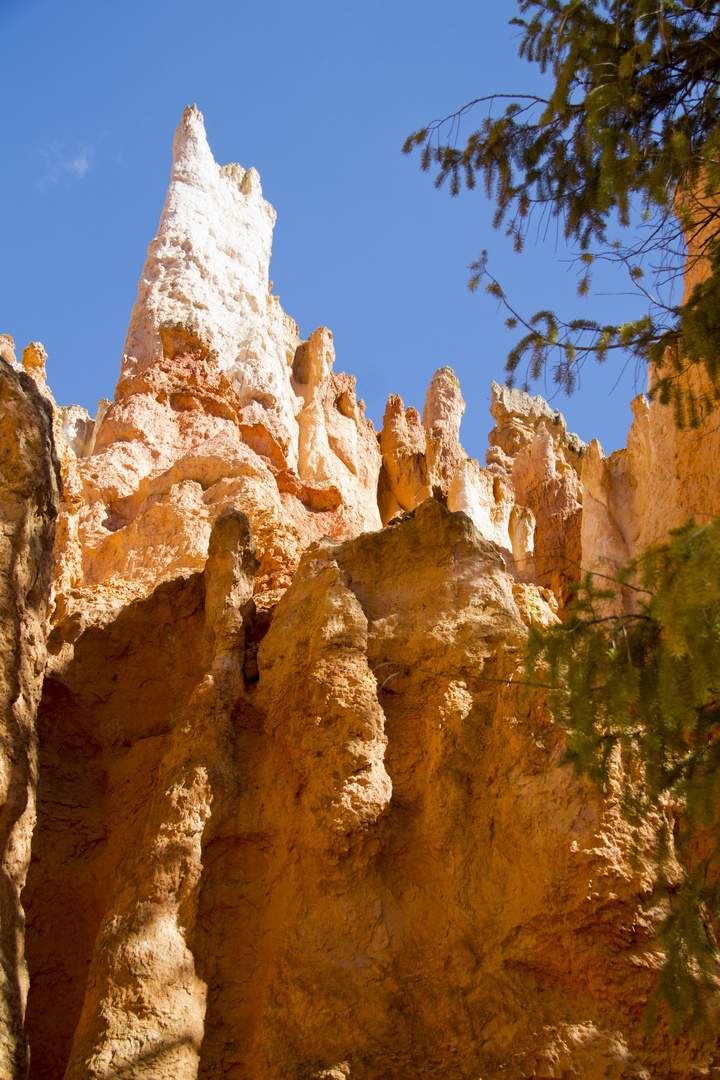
(296,816)
(29,491)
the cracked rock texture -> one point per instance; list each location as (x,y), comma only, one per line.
(29,493)
(293,815)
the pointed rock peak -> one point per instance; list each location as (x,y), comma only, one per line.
(250,184)
(33,360)
(192,114)
(192,158)
(444,405)
(7,349)
(314,358)
(401,428)
(640,406)
(444,373)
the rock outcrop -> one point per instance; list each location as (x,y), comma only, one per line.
(420,459)
(530,443)
(218,402)
(426,459)
(366,857)
(665,475)
(144,1001)
(660,480)
(298,813)
(29,493)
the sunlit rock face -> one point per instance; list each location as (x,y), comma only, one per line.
(29,496)
(531,445)
(424,459)
(661,479)
(205,282)
(665,475)
(218,402)
(340,841)
(527,499)
(298,815)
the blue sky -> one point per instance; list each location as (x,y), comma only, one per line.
(319,97)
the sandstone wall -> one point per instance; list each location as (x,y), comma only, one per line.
(664,475)
(424,459)
(29,492)
(297,814)
(220,402)
(661,479)
(358,857)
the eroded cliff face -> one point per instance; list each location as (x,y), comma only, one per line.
(29,492)
(297,814)
(218,402)
(530,442)
(665,475)
(526,500)
(366,858)
(661,479)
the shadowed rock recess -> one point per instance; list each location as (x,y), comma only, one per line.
(274,804)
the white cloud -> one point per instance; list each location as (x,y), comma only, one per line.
(63,162)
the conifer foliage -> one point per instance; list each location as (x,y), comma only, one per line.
(627,134)
(639,695)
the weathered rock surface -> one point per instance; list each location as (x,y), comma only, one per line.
(426,459)
(530,443)
(297,816)
(205,283)
(662,478)
(421,459)
(29,493)
(664,475)
(144,1005)
(366,860)
(218,402)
